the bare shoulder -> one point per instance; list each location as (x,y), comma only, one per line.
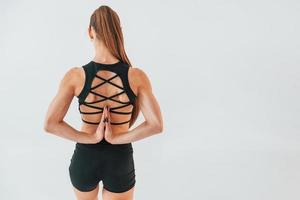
(138,79)
(73,79)
(78,79)
(76,71)
(73,74)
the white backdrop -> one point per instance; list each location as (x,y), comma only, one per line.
(226,74)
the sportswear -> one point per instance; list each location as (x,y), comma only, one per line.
(121,70)
(113,164)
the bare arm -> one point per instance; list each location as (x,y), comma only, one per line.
(58,108)
(153,123)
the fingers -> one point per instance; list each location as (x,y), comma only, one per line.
(107,115)
(104,116)
(107,118)
(102,121)
(107,123)
(101,126)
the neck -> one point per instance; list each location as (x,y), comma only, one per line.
(102,54)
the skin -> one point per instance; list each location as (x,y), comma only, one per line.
(71,85)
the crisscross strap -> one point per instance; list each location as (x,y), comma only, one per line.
(104,98)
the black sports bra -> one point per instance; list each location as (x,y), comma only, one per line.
(91,70)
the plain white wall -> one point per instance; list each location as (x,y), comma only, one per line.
(226,74)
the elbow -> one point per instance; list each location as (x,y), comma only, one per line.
(160,128)
(157,127)
(49,126)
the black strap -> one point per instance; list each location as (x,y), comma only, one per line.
(119,123)
(104,98)
(110,97)
(90,113)
(107,81)
(121,113)
(88,122)
(112,123)
(96,107)
(117,107)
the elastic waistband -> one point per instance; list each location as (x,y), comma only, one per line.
(103,144)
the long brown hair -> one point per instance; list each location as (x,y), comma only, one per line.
(107,26)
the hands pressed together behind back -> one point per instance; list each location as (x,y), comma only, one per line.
(104,128)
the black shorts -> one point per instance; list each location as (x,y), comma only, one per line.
(111,164)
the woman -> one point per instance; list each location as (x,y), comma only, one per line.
(110,95)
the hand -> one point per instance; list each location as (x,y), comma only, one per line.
(108,135)
(99,134)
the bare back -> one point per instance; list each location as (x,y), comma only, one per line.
(105,84)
